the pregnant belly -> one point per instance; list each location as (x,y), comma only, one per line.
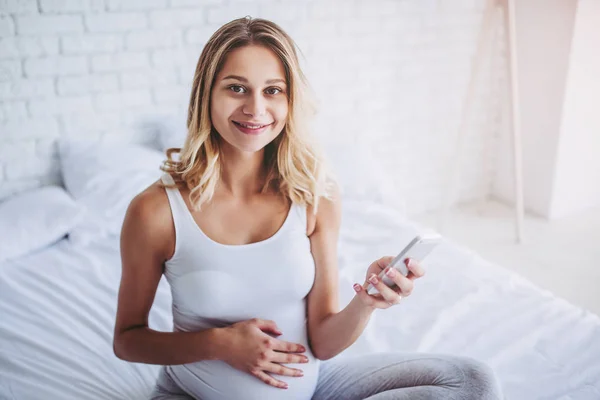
(217,380)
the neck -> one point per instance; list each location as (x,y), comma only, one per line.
(242,174)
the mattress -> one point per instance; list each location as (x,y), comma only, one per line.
(57,311)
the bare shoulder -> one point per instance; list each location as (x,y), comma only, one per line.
(150,206)
(149,220)
(329,212)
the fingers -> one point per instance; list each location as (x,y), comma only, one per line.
(383,262)
(279,369)
(373,301)
(365,297)
(286,347)
(269,380)
(287,358)
(414,267)
(273,353)
(405,285)
(267,325)
(388,294)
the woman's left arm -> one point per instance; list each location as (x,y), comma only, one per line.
(332,331)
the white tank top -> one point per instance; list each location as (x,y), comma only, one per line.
(216,285)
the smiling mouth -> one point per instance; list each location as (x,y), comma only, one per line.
(251,126)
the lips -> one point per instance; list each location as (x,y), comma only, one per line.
(251,125)
(251,128)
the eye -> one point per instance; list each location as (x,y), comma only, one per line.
(273,90)
(237,89)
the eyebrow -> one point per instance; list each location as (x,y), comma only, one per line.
(242,79)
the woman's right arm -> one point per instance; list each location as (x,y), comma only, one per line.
(147,241)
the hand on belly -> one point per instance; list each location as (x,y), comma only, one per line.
(251,348)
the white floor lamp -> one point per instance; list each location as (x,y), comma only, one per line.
(494,10)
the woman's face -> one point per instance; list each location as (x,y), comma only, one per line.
(249,105)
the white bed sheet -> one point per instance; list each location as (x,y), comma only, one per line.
(57,310)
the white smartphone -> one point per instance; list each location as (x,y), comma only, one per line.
(417,249)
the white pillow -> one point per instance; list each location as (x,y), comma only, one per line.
(105,177)
(35,219)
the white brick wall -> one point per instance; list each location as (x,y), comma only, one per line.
(48,24)
(390,75)
(55,66)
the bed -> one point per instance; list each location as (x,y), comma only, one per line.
(58,303)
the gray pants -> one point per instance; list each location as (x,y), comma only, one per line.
(392,376)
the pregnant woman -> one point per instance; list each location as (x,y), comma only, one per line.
(244,225)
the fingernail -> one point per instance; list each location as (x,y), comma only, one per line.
(356,287)
(409,262)
(391,272)
(373,278)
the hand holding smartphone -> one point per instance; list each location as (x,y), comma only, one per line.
(417,249)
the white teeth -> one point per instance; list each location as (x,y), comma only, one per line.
(251,126)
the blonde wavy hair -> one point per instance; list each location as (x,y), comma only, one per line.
(294,164)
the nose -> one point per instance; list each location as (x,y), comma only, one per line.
(255,106)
